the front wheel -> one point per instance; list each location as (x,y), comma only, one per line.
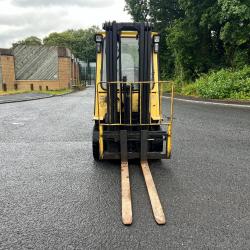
(95,143)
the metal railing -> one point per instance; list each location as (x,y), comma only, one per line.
(132,92)
(155,88)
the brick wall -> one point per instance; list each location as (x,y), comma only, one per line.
(64,72)
(8,71)
(1,79)
(38,85)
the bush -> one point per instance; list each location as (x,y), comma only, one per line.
(190,89)
(167,88)
(224,84)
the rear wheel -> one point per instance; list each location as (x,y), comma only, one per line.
(95,143)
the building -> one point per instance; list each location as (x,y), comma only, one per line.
(88,72)
(37,67)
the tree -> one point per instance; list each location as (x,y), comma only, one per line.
(32,40)
(198,35)
(192,39)
(139,10)
(235,29)
(162,13)
(218,33)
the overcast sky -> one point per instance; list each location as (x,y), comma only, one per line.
(23,18)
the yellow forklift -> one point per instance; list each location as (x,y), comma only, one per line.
(128,111)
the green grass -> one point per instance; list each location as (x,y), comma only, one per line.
(167,88)
(49,92)
(189,90)
(225,84)
(55,92)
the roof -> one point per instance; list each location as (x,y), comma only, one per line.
(6,52)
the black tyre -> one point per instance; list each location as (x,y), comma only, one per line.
(157,144)
(95,143)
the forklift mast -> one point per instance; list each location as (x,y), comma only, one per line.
(113,31)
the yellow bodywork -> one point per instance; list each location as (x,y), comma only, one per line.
(154,93)
(155,103)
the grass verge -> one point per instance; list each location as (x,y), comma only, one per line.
(55,92)
(49,92)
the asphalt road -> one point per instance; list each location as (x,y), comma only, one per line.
(54,196)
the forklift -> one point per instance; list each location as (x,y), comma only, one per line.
(128,112)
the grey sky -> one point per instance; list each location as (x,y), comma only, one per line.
(83,3)
(22,18)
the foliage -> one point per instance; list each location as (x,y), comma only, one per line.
(55,92)
(139,10)
(162,13)
(224,84)
(182,45)
(167,88)
(81,42)
(235,22)
(213,34)
(189,89)
(32,40)
(159,12)
(197,35)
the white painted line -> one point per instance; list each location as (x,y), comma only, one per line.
(211,103)
(18,123)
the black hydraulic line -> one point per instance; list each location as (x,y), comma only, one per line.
(141,62)
(111,64)
(144,71)
(114,74)
(110,74)
(120,76)
(147,74)
(144,85)
(126,97)
(108,70)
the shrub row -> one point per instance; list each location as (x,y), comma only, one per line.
(223,84)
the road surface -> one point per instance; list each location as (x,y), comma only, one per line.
(53,195)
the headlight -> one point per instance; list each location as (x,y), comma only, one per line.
(156,39)
(98,38)
(98,47)
(156,47)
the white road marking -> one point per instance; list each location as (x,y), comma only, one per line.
(211,103)
(18,123)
